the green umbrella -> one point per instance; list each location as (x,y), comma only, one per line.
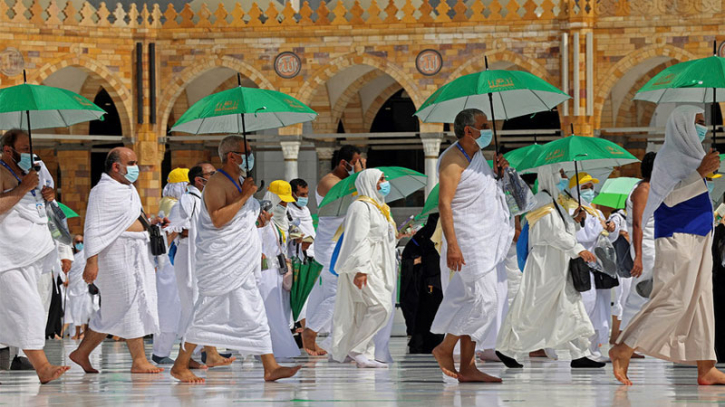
(431,204)
(698,81)
(241,110)
(523,156)
(304,276)
(575,153)
(615,192)
(498,93)
(403,182)
(30,107)
(68,212)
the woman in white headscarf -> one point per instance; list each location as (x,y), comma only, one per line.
(366,269)
(547,312)
(677,324)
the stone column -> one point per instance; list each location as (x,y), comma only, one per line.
(290,151)
(432,149)
(325,151)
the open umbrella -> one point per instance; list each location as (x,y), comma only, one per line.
(576,153)
(615,192)
(403,182)
(31,107)
(240,110)
(431,204)
(68,212)
(522,157)
(697,81)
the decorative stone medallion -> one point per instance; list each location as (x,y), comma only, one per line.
(429,62)
(11,62)
(287,65)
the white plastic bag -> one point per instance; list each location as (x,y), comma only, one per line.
(519,197)
(606,256)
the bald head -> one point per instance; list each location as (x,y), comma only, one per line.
(117,162)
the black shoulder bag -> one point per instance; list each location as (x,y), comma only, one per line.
(157,245)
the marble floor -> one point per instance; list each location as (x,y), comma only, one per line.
(414,380)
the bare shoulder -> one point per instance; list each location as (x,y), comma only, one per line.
(642,190)
(7,181)
(452,161)
(326,183)
(216,191)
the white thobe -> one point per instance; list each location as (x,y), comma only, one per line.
(369,248)
(484,232)
(547,312)
(79,306)
(189,208)
(26,250)
(126,276)
(229,312)
(276,298)
(169,305)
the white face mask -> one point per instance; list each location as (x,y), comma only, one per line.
(279,214)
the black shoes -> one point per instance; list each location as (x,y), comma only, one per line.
(511,363)
(21,363)
(586,363)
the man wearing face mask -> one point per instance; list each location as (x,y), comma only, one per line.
(78,308)
(596,301)
(119,263)
(28,250)
(321,302)
(477,232)
(299,211)
(230,311)
(276,268)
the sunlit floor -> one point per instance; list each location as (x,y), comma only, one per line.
(413,380)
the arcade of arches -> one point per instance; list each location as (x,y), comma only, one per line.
(364,66)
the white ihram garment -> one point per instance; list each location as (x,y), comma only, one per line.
(368,248)
(229,311)
(321,302)
(78,309)
(276,298)
(189,208)
(484,232)
(126,277)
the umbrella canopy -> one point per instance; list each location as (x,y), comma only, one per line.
(588,152)
(524,156)
(68,212)
(691,81)
(615,192)
(431,204)
(45,106)
(241,110)
(403,182)
(304,276)
(515,93)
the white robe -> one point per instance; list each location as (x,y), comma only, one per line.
(169,304)
(229,312)
(547,312)
(305,224)
(484,232)
(369,248)
(26,250)
(79,307)
(321,302)
(126,276)
(276,298)
(189,208)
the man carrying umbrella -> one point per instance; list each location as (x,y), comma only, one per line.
(26,249)
(477,235)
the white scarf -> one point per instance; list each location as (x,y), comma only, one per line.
(679,157)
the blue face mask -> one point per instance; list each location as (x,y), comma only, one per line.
(485,139)
(563,184)
(79,246)
(701,132)
(131,173)
(302,201)
(243,165)
(710,186)
(384,188)
(25,162)
(588,195)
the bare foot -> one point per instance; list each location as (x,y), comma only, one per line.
(445,362)
(82,361)
(281,373)
(620,356)
(49,372)
(474,375)
(637,356)
(75,337)
(196,365)
(185,375)
(538,354)
(309,338)
(712,377)
(145,367)
(215,360)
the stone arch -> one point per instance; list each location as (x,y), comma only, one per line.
(378,103)
(324,73)
(120,95)
(630,106)
(179,82)
(349,94)
(630,61)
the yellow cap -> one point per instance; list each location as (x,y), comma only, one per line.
(713,175)
(584,178)
(178,175)
(282,189)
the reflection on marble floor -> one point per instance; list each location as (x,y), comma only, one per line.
(414,380)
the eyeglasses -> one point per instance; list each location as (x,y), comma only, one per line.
(208,173)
